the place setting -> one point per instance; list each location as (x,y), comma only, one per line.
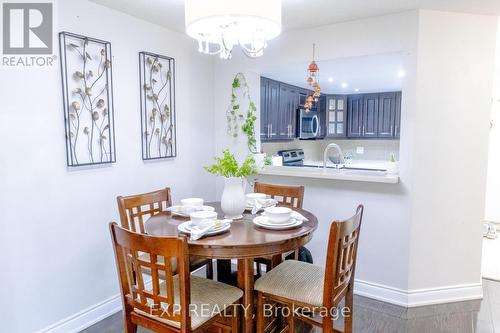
(256,202)
(279,218)
(204,223)
(188,206)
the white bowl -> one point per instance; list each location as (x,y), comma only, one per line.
(278,215)
(192,202)
(251,197)
(203,218)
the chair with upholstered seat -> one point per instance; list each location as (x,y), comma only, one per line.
(294,284)
(288,196)
(169,303)
(135,209)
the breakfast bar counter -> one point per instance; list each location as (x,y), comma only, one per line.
(372,176)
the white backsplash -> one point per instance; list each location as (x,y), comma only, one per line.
(374,150)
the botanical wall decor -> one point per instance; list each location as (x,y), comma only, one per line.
(157,86)
(88,99)
(237,118)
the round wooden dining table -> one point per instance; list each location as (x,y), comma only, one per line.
(244,241)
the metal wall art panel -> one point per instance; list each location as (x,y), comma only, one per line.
(157,89)
(87,84)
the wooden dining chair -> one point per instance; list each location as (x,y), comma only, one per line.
(135,209)
(295,284)
(177,302)
(288,196)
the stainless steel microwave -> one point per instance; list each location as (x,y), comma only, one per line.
(307,124)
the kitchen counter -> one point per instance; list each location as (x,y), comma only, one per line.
(334,174)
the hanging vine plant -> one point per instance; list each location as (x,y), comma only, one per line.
(237,118)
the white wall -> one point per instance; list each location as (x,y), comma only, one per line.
(420,241)
(55,242)
(388,207)
(454,82)
(492,211)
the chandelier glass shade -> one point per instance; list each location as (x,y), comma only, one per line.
(220,25)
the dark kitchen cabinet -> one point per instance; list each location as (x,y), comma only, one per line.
(322,114)
(289,102)
(278,105)
(370,115)
(374,115)
(397,116)
(355,116)
(264,109)
(269,112)
(336,116)
(386,115)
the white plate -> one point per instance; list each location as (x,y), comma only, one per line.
(185,227)
(262,221)
(178,210)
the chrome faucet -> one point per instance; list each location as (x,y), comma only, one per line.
(339,152)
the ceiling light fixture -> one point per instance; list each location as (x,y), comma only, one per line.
(401,73)
(219,25)
(330,79)
(356,90)
(344,85)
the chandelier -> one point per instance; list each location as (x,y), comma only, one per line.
(219,25)
(312,83)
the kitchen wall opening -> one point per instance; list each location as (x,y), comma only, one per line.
(359,110)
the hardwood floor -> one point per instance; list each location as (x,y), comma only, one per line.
(372,316)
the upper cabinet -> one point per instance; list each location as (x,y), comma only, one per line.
(397,117)
(374,115)
(355,116)
(387,115)
(336,115)
(278,105)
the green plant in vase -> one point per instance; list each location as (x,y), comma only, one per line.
(233,196)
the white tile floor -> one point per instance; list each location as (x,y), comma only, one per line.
(490,268)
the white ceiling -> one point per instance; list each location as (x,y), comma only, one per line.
(377,73)
(304,13)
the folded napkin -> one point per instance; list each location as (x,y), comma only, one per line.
(298,216)
(262,203)
(183,210)
(197,232)
(294,215)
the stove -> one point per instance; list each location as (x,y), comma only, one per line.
(292,157)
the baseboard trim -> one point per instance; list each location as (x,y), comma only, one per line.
(419,297)
(407,299)
(86,317)
(89,316)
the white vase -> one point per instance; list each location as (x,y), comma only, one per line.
(233,197)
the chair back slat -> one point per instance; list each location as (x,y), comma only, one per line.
(159,299)
(341,258)
(289,196)
(135,209)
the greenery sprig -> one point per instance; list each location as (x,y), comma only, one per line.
(227,166)
(235,115)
